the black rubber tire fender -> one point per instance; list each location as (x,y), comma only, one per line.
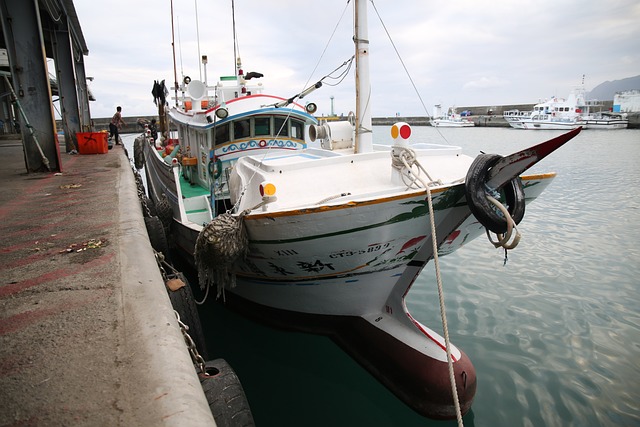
(157,236)
(138,155)
(476,195)
(151,206)
(225,395)
(184,303)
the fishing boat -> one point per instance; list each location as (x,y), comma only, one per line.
(604,120)
(555,113)
(570,113)
(311,226)
(450,120)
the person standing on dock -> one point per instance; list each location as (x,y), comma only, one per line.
(116,124)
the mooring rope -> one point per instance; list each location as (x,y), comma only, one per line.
(443,313)
(503,239)
(403,160)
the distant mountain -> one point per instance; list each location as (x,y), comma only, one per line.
(605,91)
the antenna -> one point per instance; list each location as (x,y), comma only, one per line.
(233,21)
(180,49)
(173,46)
(198,35)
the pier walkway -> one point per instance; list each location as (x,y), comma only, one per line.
(87,333)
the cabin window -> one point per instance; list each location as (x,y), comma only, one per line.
(221,134)
(261,126)
(241,129)
(281,127)
(297,129)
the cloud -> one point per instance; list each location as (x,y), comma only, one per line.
(485,83)
(457,53)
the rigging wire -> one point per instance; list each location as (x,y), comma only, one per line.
(400,58)
(406,70)
(324,51)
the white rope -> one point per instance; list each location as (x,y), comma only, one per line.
(503,239)
(443,313)
(404,161)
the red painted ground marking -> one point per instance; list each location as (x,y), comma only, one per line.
(9,365)
(13,288)
(32,187)
(23,198)
(22,320)
(31,244)
(36,257)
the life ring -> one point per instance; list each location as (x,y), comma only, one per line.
(215,168)
(476,195)
(262,143)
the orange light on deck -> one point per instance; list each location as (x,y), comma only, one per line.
(267,189)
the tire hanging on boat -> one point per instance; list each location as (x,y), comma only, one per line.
(165,213)
(476,193)
(183,302)
(138,155)
(220,244)
(157,236)
(148,207)
(225,395)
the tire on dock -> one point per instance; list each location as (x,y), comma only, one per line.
(225,395)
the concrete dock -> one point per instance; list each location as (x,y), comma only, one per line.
(87,333)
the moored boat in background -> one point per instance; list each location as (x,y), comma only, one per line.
(570,113)
(450,120)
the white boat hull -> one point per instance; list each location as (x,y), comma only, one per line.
(544,124)
(605,124)
(452,123)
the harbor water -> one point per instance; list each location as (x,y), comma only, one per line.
(554,333)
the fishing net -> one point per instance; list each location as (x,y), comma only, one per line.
(220,244)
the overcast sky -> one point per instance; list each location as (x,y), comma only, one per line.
(458,53)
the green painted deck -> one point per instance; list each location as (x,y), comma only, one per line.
(189,190)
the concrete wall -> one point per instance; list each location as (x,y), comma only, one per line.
(479,115)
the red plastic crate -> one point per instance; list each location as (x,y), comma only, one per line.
(92,142)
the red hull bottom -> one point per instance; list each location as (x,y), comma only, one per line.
(418,380)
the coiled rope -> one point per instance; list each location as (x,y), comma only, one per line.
(403,160)
(503,239)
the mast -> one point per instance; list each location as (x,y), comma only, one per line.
(364,137)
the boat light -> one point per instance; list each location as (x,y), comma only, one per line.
(311,108)
(268,193)
(222,113)
(401,130)
(267,189)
